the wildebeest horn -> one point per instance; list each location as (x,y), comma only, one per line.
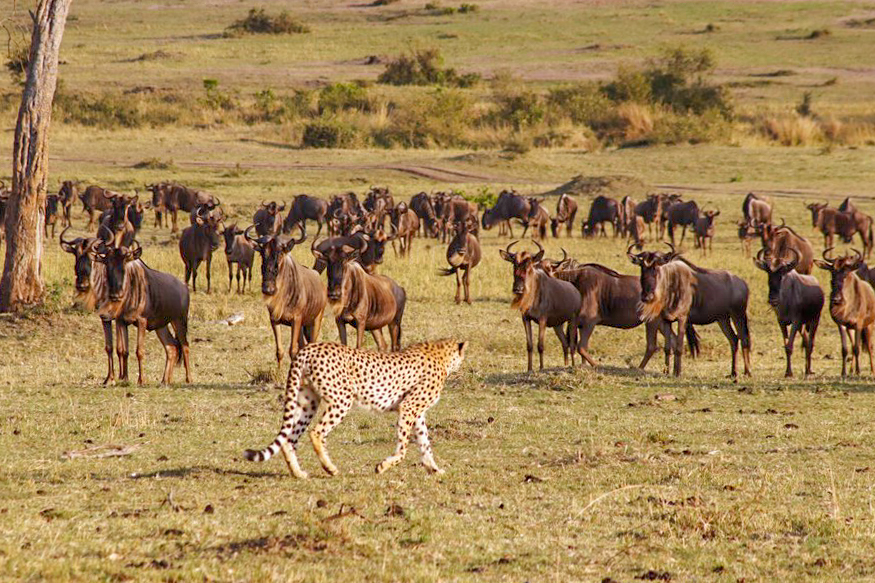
(858,254)
(246,234)
(282,208)
(783,223)
(303,234)
(827,259)
(108,230)
(511,245)
(628,249)
(673,252)
(540,253)
(61,238)
(265,204)
(795,261)
(216,201)
(564,254)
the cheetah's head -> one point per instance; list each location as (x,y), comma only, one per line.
(457,355)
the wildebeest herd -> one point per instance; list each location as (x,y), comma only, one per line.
(567,295)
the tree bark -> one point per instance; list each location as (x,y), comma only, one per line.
(22,284)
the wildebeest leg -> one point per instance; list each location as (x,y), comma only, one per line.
(173,220)
(458,286)
(563,340)
(121,335)
(315,329)
(277,339)
(788,346)
(867,341)
(294,344)
(360,333)
(341,330)
(170,352)
(650,329)
(510,229)
(333,414)
(542,330)
(141,349)
(209,264)
(809,349)
(668,334)
(527,324)
(181,329)
(857,335)
(379,339)
(467,282)
(107,343)
(844,336)
(743,332)
(679,346)
(730,334)
(231,276)
(584,331)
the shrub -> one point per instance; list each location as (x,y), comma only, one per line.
(466,8)
(520,108)
(630,85)
(791,130)
(804,107)
(424,67)
(441,118)
(330,133)
(216,99)
(154,164)
(584,104)
(342,96)
(270,107)
(259,22)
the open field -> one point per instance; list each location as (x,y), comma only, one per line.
(592,475)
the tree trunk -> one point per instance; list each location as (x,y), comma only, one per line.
(22,283)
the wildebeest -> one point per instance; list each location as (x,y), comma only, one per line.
(238,250)
(343,210)
(851,305)
(681,214)
(171,198)
(66,195)
(538,219)
(779,240)
(544,299)
(627,214)
(463,255)
(122,221)
(704,230)
(847,206)
(423,206)
(197,242)
(405,225)
(608,299)
(650,210)
(379,202)
(370,244)
(675,290)
(294,294)
(635,230)
(603,210)
(94,199)
(304,208)
(50,214)
(128,292)
(268,219)
(453,209)
(797,301)
(746,232)
(509,205)
(366,302)
(566,210)
(79,248)
(756,210)
(831,222)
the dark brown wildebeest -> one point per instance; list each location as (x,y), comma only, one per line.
(379,203)
(566,210)
(831,222)
(650,210)
(704,230)
(79,248)
(122,221)
(423,206)
(603,210)
(238,250)
(94,199)
(608,299)
(675,290)
(197,242)
(371,246)
(366,302)
(347,203)
(66,195)
(756,210)
(538,219)
(129,292)
(544,299)
(294,294)
(635,230)
(304,208)
(454,209)
(847,206)
(509,205)
(797,300)
(171,198)
(268,219)
(463,255)
(627,214)
(405,225)
(160,192)
(851,305)
(668,200)
(746,232)
(50,214)
(681,214)
(779,240)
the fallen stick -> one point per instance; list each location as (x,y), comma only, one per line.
(101,451)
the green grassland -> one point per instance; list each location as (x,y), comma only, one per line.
(563,475)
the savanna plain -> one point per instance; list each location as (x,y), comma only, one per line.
(604,474)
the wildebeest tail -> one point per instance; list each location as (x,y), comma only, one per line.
(293,385)
(692,340)
(447,271)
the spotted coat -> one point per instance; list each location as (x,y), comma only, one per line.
(409,381)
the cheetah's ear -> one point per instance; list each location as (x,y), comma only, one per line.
(462,347)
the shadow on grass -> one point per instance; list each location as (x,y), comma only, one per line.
(195,470)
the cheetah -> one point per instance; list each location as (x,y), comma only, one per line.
(409,381)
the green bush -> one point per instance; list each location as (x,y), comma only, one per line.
(519,108)
(259,22)
(583,104)
(630,85)
(330,133)
(270,107)
(342,96)
(441,118)
(424,67)
(466,8)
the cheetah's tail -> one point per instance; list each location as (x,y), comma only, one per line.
(293,384)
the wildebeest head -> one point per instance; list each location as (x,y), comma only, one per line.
(815,209)
(273,250)
(524,264)
(272,207)
(839,268)
(210,217)
(776,270)
(115,259)
(336,259)
(51,207)
(650,262)
(230,233)
(79,248)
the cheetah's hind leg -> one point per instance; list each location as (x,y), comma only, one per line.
(332,415)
